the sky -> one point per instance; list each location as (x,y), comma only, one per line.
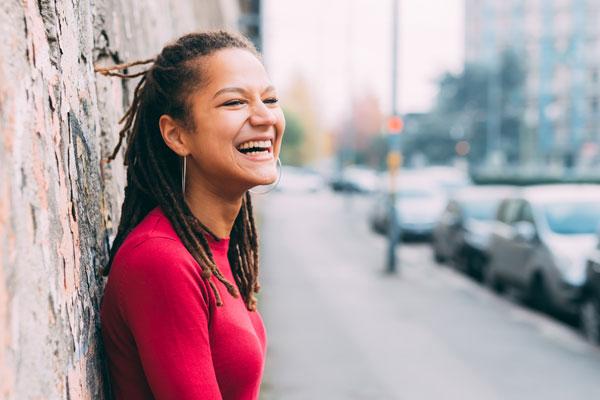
(342,50)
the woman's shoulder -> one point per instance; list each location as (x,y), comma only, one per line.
(153,248)
(155,225)
(154,268)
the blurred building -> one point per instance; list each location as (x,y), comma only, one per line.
(558,40)
(250,21)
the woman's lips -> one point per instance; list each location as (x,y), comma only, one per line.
(259,155)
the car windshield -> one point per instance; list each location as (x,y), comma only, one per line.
(573,218)
(481,210)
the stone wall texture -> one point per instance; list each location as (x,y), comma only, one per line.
(58,208)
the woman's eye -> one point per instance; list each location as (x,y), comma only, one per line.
(233,103)
(271,100)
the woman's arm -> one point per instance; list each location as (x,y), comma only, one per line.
(165,303)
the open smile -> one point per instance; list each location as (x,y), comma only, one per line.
(257,150)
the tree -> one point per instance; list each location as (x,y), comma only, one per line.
(468,101)
(293,141)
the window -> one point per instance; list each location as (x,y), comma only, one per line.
(573,218)
(594,104)
(500,212)
(452,212)
(526,213)
(508,211)
(483,210)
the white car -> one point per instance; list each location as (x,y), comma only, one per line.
(448,179)
(540,242)
(418,207)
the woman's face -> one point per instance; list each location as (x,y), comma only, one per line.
(238,124)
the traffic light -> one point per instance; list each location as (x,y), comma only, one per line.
(395,124)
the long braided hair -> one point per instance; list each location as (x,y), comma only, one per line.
(154,170)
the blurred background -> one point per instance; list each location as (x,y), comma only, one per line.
(489,86)
(435,230)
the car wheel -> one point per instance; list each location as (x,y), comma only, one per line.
(459,261)
(538,294)
(437,257)
(466,263)
(589,315)
(477,267)
(492,280)
(375,227)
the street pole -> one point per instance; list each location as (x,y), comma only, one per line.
(494,113)
(394,158)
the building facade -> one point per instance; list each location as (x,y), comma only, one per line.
(558,42)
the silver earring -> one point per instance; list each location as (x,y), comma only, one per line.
(183,172)
(264,189)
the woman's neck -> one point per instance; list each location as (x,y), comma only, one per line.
(216,212)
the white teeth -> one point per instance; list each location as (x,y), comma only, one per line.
(255,143)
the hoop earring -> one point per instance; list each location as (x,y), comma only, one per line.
(264,189)
(183,173)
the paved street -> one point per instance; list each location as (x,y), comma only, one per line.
(338,328)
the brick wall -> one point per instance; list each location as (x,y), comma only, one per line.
(58,209)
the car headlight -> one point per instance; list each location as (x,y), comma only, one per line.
(571,267)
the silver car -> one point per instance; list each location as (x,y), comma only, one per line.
(462,233)
(418,207)
(540,242)
(589,310)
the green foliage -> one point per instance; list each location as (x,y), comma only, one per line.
(292,147)
(466,103)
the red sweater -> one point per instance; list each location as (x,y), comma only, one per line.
(164,335)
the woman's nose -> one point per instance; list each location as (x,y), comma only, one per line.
(262,115)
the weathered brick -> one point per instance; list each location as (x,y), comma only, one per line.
(58,207)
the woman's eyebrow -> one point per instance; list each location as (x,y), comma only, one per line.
(228,90)
(240,90)
(268,89)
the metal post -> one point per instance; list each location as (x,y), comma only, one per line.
(494,111)
(394,157)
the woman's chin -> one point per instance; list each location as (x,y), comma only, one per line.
(264,180)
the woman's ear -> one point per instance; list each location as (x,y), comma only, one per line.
(173,134)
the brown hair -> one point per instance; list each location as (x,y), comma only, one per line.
(154,170)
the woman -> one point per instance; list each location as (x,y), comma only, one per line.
(204,127)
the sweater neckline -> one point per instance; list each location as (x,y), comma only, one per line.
(216,244)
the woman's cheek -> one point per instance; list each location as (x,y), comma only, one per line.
(281,131)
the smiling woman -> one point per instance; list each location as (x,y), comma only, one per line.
(204,127)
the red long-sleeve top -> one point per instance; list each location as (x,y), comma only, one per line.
(164,336)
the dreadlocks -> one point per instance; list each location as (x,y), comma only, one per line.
(154,170)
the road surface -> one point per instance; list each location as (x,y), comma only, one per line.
(339,328)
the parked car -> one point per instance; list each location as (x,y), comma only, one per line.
(589,309)
(300,179)
(418,207)
(449,179)
(444,179)
(355,179)
(540,241)
(462,234)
